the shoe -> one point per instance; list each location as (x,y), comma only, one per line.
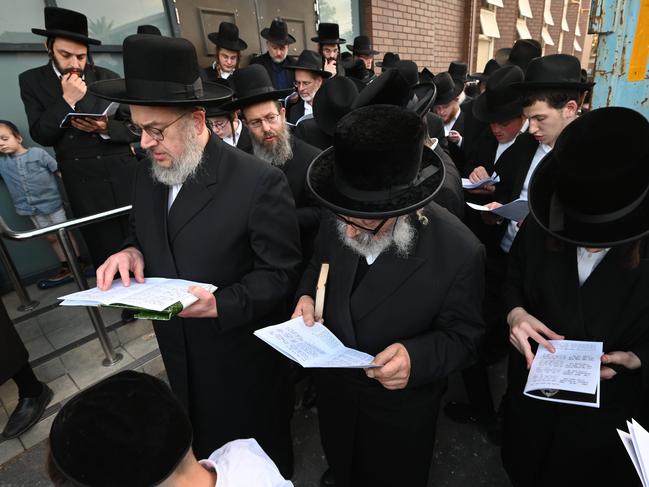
(327,479)
(460,412)
(27,413)
(128,315)
(63,276)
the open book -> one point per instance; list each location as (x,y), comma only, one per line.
(570,375)
(515,211)
(313,346)
(467,184)
(157,298)
(636,442)
(111,109)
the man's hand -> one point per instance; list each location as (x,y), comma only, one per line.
(305,307)
(205,307)
(128,260)
(74,89)
(491,218)
(522,327)
(395,371)
(455,137)
(330,66)
(96,125)
(478,174)
(628,360)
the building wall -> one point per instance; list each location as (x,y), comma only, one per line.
(506,17)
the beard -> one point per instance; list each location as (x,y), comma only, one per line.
(278,152)
(401,238)
(186,165)
(64,71)
(307,98)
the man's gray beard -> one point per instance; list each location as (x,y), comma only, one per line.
(401,238)
(186,165)
(280,152)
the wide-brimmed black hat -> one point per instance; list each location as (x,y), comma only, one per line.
(458,70)
(523,51)
(590,192)
(278,33)
(389,60)
(148,29)
(500,102)
(252,85)
(61,22)
(228,37)
(560,71)
(408,70)
(447,88)
(490,68)
(127,430)
(333,101)
(362,45)
(160,71)
(328,33)
(356,70)
(426,76)
(310,61)
(378,166)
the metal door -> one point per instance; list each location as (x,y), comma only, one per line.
(298,14)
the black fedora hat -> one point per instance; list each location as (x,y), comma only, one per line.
(566,196)
(500,102)
(555,71)
(61,22)
(490,68)
(355,69)
(160,71)
(310,61)
(378,166)
(408,70)
(328,33)
(389,59)
(458,71)
(447,88)
(523,51)
(228,37)
(252,85)
(332,101)
(362,45)
(127,430)
(426,75)
(148,29)
(278,33)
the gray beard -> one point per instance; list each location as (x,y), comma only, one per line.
(185,166)
(401,238)
(280,152)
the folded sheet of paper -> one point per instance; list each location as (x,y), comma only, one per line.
(515,211)
(111,109)
(570,375)
(636,442)
(313,346)
(157,298)
(493,179)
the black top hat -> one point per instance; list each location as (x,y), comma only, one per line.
(228,37)
(378,166)
(458,70)
(523,51)
(426,76)
(160,71)
(278,33)
(148,29)
(252,85)
(447,88)
(500,102)
(389,59)
(490,68)
(362,45)
(566,195)
(328,34)
(332,101)
(310,61)
(127,430)
(61,22)
(408,70)
(556,71)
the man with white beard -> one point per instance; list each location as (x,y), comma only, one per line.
(309,76)
(205,211)
(405,285)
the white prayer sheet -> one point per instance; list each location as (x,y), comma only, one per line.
(636,442)
(515,211)
(313,346)
(111,109)
(569,375)
(156,293)
(467,184)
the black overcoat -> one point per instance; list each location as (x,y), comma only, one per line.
(266,61)
(13,354)
(233,225)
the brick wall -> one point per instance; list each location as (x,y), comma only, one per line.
(556,8)
(569,37)
(507,17)
(535,24)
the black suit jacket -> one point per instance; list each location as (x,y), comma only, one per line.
(267,63)
(470,128)
(295,112)
(244,142)
(309,132)
(451,194)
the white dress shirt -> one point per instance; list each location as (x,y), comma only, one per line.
(503,146)
(587,261)
(449,126)
(173,192)
(237,133)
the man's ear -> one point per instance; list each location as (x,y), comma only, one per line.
(199,120)
(571,108)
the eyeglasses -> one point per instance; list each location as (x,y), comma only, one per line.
(372,231)
(306,84)
(153,132)
(219,125)
(269,119)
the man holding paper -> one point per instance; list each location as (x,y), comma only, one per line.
(405,285)
(207,212)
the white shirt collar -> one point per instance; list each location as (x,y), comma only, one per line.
(237,133)
(449,126)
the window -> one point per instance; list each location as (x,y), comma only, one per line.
(488,24)
(576,45)
(547,38)
(547,13)
(564,21)
(524,8)
(345,13)
(497,3)
(522,30)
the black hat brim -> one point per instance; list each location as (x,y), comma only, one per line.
(244,102)
(319,72)
(115,90)
(629,228)
(539,85)
(238,45)
(364,52)
(75,36)
(426,93)
(320,179)
(445,98)
(283,42)
(501,114)
(328,41)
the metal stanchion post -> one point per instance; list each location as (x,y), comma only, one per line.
(28,303)
(97,322)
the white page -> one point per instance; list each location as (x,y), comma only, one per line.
(516,211)
(348,358)
(627,441)
(110,110)
(467,184)
(641,445)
